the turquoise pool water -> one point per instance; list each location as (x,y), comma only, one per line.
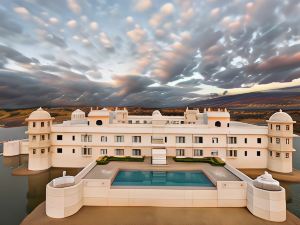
(161,178)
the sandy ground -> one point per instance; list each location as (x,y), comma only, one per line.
(286,177)
(154,216)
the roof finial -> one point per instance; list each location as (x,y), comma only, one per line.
(280,110)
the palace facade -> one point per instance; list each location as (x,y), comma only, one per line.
(82,139)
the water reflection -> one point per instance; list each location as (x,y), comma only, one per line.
(36,184)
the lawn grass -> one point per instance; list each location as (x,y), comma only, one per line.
(214,161)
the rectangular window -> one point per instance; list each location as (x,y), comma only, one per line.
(48,136)
(136,139)
(271,153)
(42,137)
(277,154)
(246,140)
(259,140)
(287,155)
(33,124)
(33,137)
(179,152)
(232,140)
(59,137)
(277,140)
(59,150)
(73,138)
(86,138)
(86,151)
(198,139)
(287,127)
(271,140)
(180,139)
(198,152)
(42,124)
(271,126)
(42,150)
(119,151)
(136,152)
(119,138)
(33,151)
(215,140)
(130,121)
(245,153)
(166,139)
(287,141)
(214,153)
(103,151)
(73,150)
(277,127)
(103,138)
(257,153)
(231,153)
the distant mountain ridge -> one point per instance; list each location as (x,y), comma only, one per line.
(288,98)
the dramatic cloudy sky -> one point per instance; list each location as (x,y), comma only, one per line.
(144,52)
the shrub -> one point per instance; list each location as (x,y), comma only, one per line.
(215,161)
(106,159)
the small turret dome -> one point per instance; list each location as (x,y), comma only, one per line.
(39,114)
(282,117)
(156,113)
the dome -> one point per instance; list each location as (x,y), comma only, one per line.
(156,113)
(39,114)
(281,117)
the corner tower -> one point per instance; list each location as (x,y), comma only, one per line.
(39,129)
(280,145)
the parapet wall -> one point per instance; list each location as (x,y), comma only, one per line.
(268,205)
(16,147)
(63,202)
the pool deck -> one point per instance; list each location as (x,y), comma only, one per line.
(214,173)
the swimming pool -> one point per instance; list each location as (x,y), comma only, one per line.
(161,178)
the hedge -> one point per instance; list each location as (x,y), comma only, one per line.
(106,159)
(215,161)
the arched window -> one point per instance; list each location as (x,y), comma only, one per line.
(99,122)
(218,124)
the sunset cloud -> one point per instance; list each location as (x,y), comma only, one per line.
(146,52)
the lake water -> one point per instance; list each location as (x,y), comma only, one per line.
(19,195)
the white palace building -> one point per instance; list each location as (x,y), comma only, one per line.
(80,141)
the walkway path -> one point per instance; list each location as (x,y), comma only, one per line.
(154,216)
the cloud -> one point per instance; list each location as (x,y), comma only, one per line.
(14,55)
(129,20)
(72,23)
(54,20)
(137,34)
(8,27)
(142,5)
(21,11)
(105,40)
(94,26)
(94,75)
(145,52)
(74,6)
(167,9)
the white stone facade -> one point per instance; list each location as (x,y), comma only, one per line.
(79,141)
